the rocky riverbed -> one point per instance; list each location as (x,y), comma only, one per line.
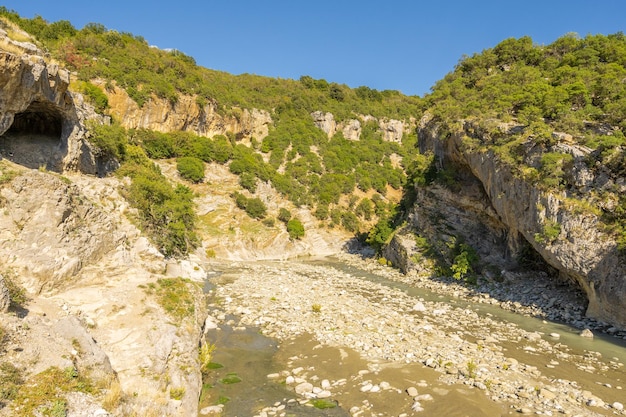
(388,352)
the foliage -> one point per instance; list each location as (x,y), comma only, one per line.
(190,168)
(45,392)
(284,215)
(17,293)
(464,261)
(254,207)
(295,228)
(175,296)
(177,393)
(95,95)
(551,231)
(110,139)
(165,211)
(10,381)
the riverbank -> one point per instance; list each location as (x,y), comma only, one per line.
(514,370)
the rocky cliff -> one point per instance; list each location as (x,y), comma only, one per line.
(513,213)
(186,114)
(42,123)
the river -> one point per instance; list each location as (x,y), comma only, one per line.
(296,337)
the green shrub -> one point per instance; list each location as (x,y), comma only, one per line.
(256,208)
(165,212)
(94,95)
(190,168)
(465,261)
(295,228)
(551,231)
(111,140)
(284,215)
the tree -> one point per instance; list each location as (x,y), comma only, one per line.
(190,168)
(295,228)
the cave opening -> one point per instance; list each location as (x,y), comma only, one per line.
(34,139)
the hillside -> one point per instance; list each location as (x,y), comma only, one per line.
(124,168)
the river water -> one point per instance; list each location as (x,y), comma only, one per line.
(246,353)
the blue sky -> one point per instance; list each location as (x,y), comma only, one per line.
(397,45)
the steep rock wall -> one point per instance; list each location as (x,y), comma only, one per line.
(581,252)
(41,122)
(186,114)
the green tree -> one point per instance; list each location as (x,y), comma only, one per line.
(190,168)
(295,228)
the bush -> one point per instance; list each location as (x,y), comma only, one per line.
(284,215)
(190,168)
(295,228)
(111,140)
(95,96)
(256,208)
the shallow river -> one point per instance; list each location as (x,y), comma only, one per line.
(244,352)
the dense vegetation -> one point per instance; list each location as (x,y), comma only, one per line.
(574,85)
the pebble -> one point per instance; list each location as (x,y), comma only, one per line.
(618,406)
(213,409)
(445,337)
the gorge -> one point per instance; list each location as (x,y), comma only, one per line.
(109,254)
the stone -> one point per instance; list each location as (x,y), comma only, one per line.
(367,387)
(213,409)
(290,380)
(419,306)
(586,333)
(412,391)
(618,406)
(325,384)
(324,394)
(304,387)
(5,296)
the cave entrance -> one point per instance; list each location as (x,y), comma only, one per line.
(34,138)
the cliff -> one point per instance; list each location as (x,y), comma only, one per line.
(515,213)
(42,123)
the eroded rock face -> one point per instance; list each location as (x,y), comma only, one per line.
(186,114)
(581,252)
(50,232)
(41,122)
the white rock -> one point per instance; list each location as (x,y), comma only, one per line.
(375,388)
(618,406)
(213,409)
(424,397)
(587,333)
(555,335)
(290,380)
(324,394)
(419,306)
(304,387)
(325,384)
(366,388)
(273,376)
(385,385)
(412,391)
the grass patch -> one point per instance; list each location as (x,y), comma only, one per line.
(177,393)
(206,354)
(44,393)
(231,378)
(175,296)
(323,403)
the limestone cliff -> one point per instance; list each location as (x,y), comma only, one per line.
(186,114)
(516,212)
(41,121)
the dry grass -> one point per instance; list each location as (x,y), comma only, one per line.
(113,396)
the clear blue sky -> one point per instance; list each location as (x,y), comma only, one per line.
(388,44)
